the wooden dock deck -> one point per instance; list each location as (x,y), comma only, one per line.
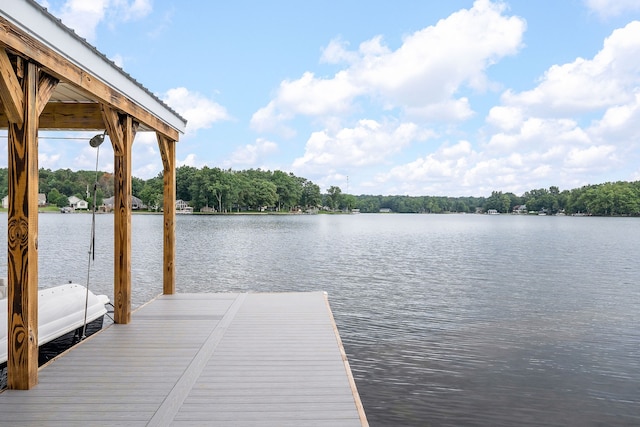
(201,359)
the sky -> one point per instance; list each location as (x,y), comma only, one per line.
(422,97)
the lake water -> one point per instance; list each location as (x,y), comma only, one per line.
(447,320)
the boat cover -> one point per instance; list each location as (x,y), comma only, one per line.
(60,310)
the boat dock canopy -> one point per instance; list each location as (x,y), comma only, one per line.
(86,75)
(52,79)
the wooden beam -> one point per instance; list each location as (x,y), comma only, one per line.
(121,130)
(60,67)
(113,122)
(168,153)
(10,90)
(58,115)
(22,232)
(46,86)
(68,116)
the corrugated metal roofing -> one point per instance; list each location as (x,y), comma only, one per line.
(35,20)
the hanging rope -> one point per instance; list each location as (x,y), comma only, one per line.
(94,142)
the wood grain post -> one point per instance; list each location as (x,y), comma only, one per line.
(168,153)
(23,93)
(121,130)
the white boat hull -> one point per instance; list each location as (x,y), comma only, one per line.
(61,309)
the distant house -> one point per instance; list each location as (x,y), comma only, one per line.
(520,210)
(42,200)
(181,204)
(183,207)
(78,203)
(108,204)
(136,203)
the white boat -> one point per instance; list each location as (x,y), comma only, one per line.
(61,311)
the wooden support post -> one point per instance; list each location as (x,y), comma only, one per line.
(168,153)
(24,93)
(121,130)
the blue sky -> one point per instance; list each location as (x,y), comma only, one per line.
(454,98)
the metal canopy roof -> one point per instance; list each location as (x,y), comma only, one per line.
(52,37)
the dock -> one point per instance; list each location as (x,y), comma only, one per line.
(247,359)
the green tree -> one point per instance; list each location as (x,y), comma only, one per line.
(498,202)
(152,192)
(185,176)
(349,202)
(310,195)
(334,197)
(58,199)
(288,189)
(264,194)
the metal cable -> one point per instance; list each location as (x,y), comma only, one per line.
(92,244)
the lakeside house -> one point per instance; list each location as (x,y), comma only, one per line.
(108,204)
(77,203)
(42,200)
(520,210)
(183,207)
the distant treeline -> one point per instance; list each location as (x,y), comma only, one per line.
(226,190)
(608,199)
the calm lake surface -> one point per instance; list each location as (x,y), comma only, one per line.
(447,320)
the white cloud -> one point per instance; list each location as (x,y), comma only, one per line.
(84,16)
(199,111)
(118,60)
(251,154)
(48,161)
(314,97)
(427,174)
(336,52)
(448,110)
(505,118)
(307,96)
(422,77)
(611,8)
(190,160)
(131,10)
(537,133)
(587,84)
(368,143)
(432,64)
(596,157)
(548,124)
(620,123)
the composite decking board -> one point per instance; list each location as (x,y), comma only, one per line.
(278,423)
(60,410)
(198,297)
(87,399)
(194,359)
(289,383)
(233,415)
(248,375)
(172,404)
(42,418)
(102,423)
(325,394)
(278,337)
